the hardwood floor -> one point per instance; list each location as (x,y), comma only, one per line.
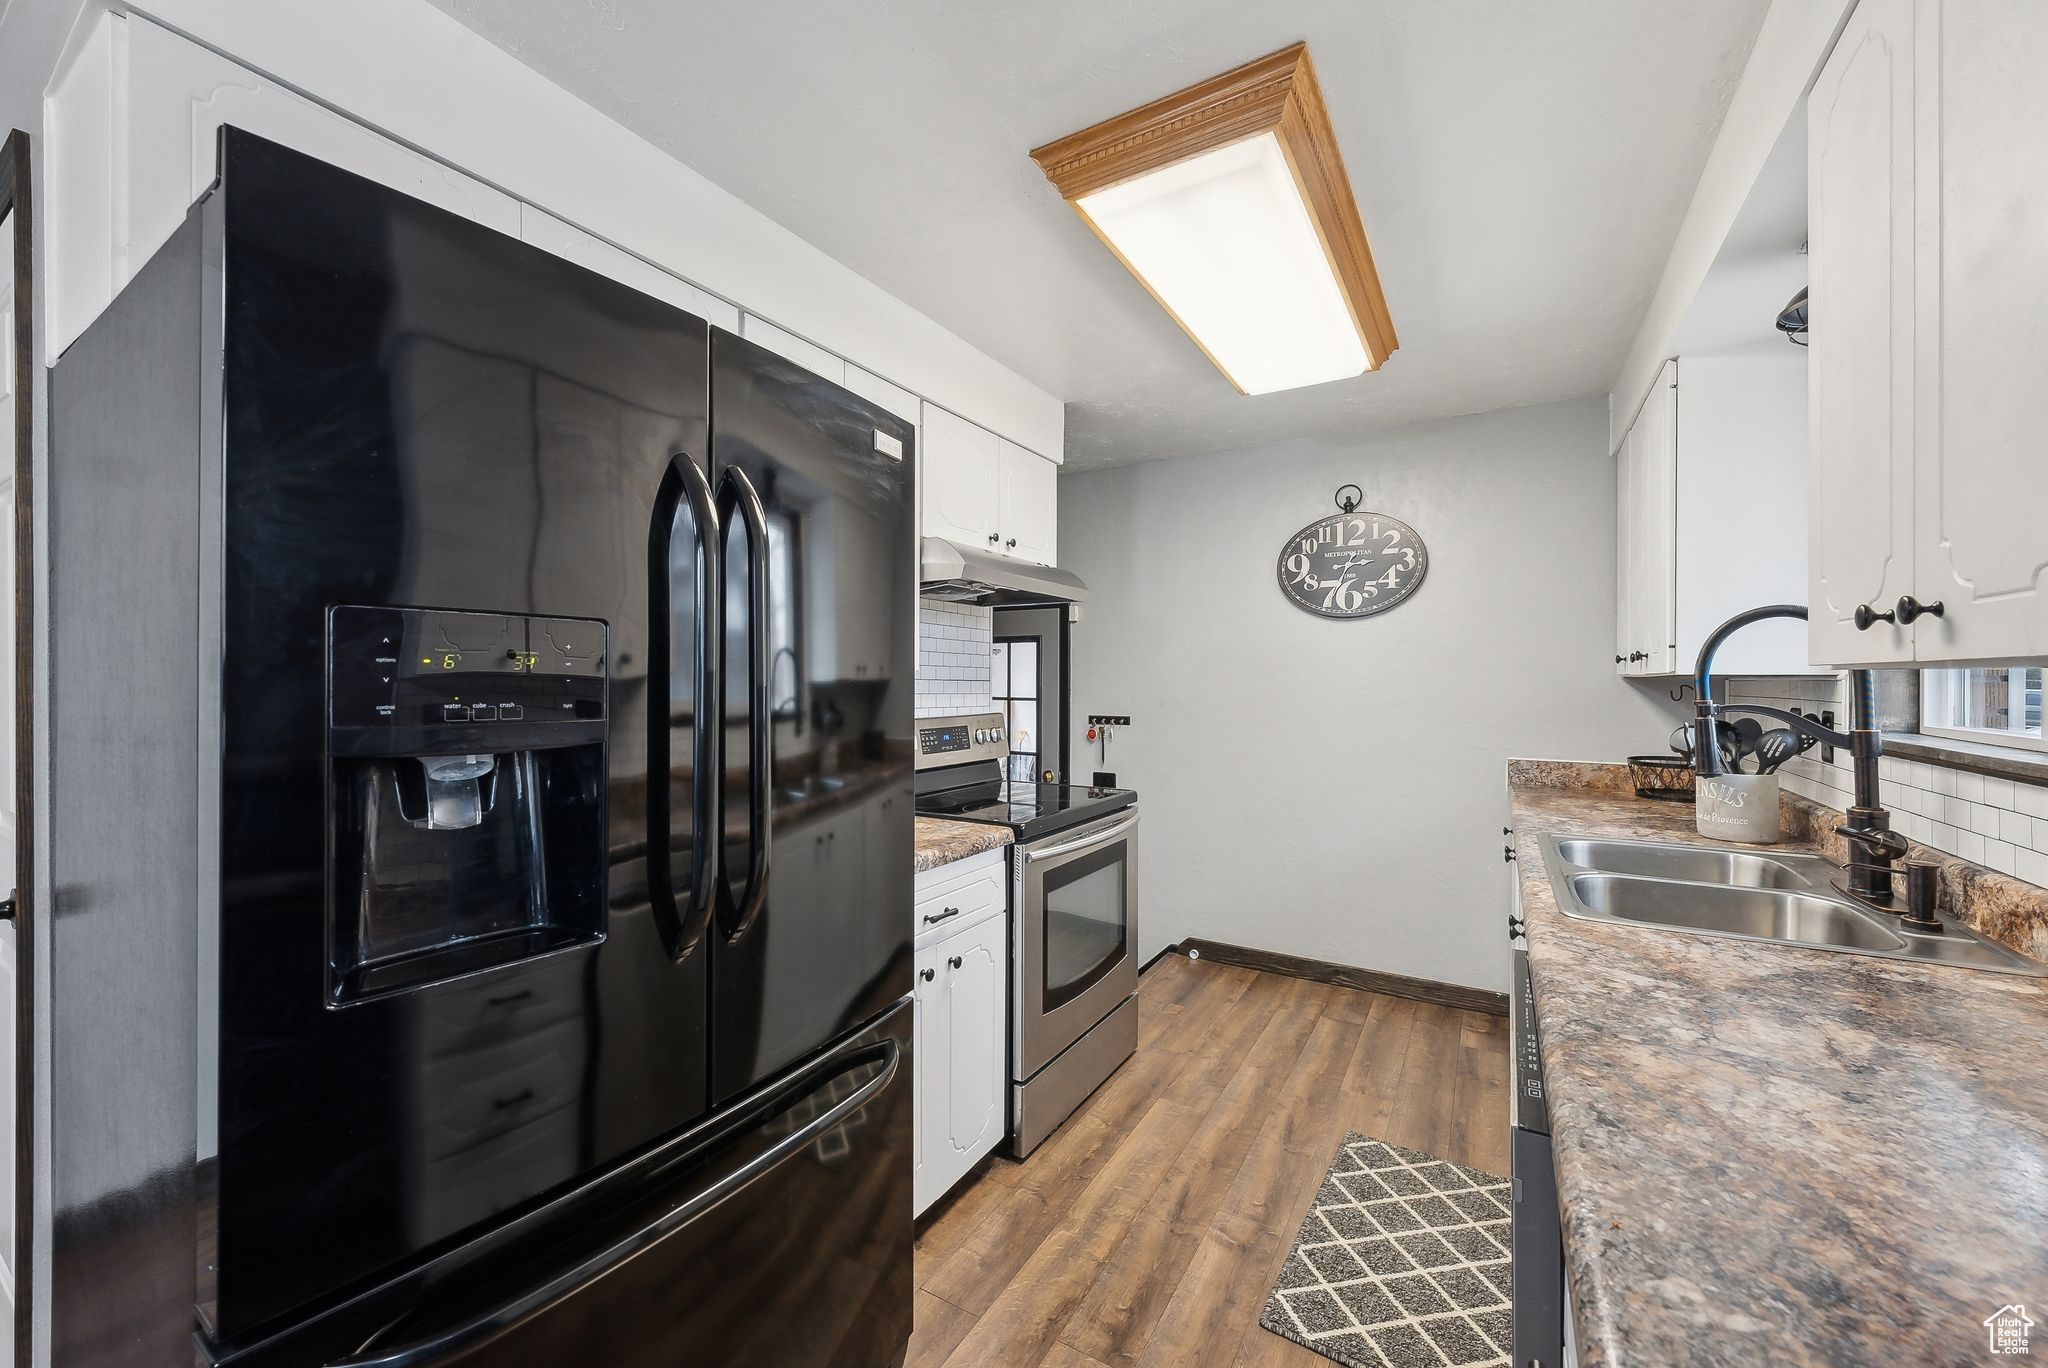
(1148,1230)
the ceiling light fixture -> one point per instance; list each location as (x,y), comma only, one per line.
(1228,201)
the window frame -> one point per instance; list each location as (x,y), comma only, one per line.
(999,701)
(1936,693)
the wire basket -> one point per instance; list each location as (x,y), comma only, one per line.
(1663,777)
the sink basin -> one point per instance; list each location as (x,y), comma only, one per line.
(1788,898)
(1760,913)
(1699,864)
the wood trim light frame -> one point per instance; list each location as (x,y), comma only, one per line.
(1267,331)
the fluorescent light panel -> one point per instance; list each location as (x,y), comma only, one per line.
(1225,241)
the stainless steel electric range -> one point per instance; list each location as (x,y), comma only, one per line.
(1073,915)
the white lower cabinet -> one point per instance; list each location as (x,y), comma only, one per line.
(961,1020)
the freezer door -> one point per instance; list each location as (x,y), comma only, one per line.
(813,933)
(784,1238)
(422,414)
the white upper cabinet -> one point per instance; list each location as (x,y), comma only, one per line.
(1709,525)
(962,480)
(1981,478)
(1027,502)
(1859,122)
(134,126)
(1928,134)
(986,491)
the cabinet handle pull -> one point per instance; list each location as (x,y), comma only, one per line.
(927,974)
(1011,542)
(949,912)
(994,537)
(1868,617)
(1638,655)
(955,961)
(1910,608)
(1621,660)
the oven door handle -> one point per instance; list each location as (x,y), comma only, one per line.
(1099,837)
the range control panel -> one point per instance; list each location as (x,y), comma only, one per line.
(957,740)
(422,670)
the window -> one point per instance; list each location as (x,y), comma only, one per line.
(1013,686)
(2001,707)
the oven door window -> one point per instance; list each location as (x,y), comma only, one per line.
(1085,920)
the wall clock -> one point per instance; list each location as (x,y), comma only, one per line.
(1353,563)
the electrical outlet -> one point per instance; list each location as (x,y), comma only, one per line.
(1108,720)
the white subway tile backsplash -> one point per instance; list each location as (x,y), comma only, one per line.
(1997,822)
(954,640)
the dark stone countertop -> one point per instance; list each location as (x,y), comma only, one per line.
(1774,1155)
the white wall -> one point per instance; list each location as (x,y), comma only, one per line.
(1336,789)
(1794,40)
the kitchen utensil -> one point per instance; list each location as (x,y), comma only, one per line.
(1775,747)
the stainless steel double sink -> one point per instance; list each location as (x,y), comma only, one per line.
(1789,898)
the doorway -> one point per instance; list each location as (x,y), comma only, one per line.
(1028,685)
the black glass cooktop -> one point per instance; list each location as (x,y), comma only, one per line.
(1032,809)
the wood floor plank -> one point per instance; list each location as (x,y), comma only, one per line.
(1228,1278)
(1148,1229)
(1022,1323)
(977,1272)
(1132,1287)
(937,1329)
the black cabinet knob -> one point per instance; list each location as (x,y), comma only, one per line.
(927,974)
(1516,926)
(1868,617)
(993,538)
(1910,608)
(1011,542)
(955,961)
(1621,660)
(10,906)
(1638,655)
(1507,853)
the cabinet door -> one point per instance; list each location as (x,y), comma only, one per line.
(1860,218)
(930,1058)
(972,968)
(1624,555)
(1655,489)
(961,480)
(1028,504)
(1980,474)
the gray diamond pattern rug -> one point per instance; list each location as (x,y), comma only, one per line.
(1403,1262)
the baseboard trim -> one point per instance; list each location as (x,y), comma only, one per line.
(1348,976)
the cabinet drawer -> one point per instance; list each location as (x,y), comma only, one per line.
(960,895)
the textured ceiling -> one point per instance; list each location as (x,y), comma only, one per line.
(1521,167)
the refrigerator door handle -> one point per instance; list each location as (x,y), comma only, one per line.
(736,491)
(509,1315)
(683,928)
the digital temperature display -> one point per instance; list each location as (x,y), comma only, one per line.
(511,661)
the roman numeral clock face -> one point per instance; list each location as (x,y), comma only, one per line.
(1352,565)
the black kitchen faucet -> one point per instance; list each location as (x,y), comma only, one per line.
(1868,829)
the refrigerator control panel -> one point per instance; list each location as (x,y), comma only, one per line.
(403,669)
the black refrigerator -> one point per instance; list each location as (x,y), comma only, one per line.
(481,804)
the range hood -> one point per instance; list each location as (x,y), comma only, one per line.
(963,574)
